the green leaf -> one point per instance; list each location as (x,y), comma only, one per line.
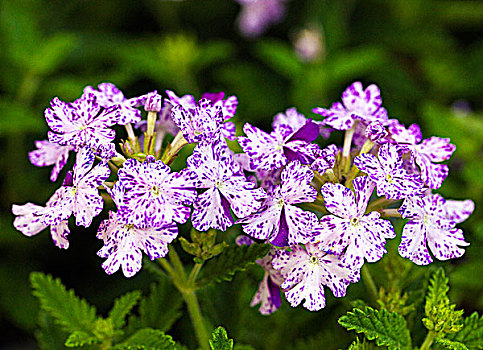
(80,338)
(219,340)
(122,307)
(71,312)
(448,344)
(437,289)
(387,328)
(472,332)
(441,316)
(234,259)
(364,345)
(148,339)
(50,336)
(159,310)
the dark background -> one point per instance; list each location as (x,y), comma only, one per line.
(425,55)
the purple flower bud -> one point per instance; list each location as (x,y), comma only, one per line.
(153,102)
(375,131)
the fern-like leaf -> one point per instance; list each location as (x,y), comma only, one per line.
(148,339)
(387,328)
(71,312)
(79,338)
(50,336)
(122,307)
(233,259)
(449,344)
(219,340)
(160,310)
(438,289)
(472,332)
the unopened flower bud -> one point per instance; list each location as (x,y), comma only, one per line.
(153,102)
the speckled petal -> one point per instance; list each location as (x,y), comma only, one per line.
(339,200)
(413,243)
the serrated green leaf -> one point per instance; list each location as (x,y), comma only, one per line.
(160,310)
(122,307)
(79,338)
(387,328)
(364,345)
(438,288)
(50,336)
(148,339)
(472,332)
(71,312)
(219,340)
(233,259)
(441,316)
(448,344)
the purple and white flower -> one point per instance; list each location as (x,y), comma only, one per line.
(81,123)
(430,225)
(155,196)
(289,141)
(48,153)
(108,95)
(278,219)
(124,243)
(434,149)
(358,104)
(306,270)
(30,220)
(386,170)
(226,187)
(349,232)
(201,123)
(268,293)
(79,193)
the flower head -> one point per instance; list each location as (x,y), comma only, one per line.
(226,187)
(430,225)
(386,170)
(349,231)
(290,140)
(425,153)
(155,196)
(307,269)
(278,219)
(108,95)
(81,123)
(358,104)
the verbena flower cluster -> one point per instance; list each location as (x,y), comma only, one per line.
(324,209)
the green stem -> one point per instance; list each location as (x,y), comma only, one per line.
(194,273)
(369,282)
(177,264)
(197,319)
(428,341)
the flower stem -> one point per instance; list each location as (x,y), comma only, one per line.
(187,288)
(428,340)
(369,282)
(197,319)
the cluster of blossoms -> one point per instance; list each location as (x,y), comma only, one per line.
(316,206)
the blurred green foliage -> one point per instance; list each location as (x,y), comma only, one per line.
(425,55)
